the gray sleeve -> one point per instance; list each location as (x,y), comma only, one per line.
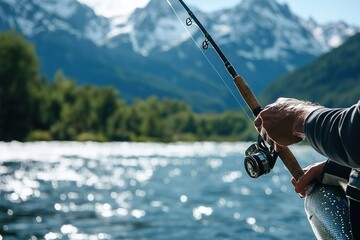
(335,133)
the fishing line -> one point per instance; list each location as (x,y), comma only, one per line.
(208,60)
(257,159)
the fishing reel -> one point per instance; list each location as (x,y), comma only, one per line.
(259,159)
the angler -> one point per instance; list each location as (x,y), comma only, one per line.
(325,205)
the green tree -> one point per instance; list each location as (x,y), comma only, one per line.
(64,94)
(116,127)
(105,103)
(133,120)
(19,83)
(152,122)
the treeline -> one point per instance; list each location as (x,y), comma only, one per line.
(33,108)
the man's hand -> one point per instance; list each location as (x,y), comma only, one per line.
(282,123)
(311,173)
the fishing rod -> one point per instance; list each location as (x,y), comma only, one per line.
(259,159)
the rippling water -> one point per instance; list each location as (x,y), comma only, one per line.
(75,190)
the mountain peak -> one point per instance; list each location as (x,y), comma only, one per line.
(265,9)
(159,5)
(249,4)
(155,27)
(266,30)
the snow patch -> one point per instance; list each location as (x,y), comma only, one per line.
(222,30)
(251,66)
(38,16)
(167,35)
(63,8)
(25,25)
(119,26)
(335,41)
(95,32)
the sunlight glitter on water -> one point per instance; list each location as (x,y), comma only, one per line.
(50,151)
(231,176)
(91,190)
(202,211)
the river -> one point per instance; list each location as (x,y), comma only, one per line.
(71,190)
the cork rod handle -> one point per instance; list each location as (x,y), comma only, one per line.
(285,154)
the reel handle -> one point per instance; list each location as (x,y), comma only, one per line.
(285,154)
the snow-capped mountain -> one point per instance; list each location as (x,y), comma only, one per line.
(159,31)
(151,48)
(37,16)
(330,35)
(266,30)
(155,27)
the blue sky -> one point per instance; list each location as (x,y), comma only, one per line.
(321,10)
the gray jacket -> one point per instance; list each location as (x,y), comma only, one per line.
(335,133)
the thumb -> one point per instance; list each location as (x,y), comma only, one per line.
(258,122)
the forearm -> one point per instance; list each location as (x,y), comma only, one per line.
(335,134)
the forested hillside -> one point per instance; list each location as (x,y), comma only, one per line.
(333,80)
(34,108)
